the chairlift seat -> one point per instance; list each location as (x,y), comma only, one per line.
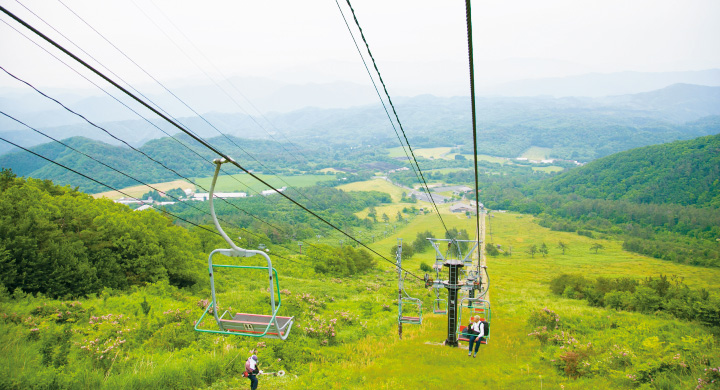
(257,324)
(410,320)
(438,305)
(462,336)
(403,316)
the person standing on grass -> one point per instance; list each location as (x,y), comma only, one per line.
(251,371)
(476,332)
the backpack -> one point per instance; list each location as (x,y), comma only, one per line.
(486,328)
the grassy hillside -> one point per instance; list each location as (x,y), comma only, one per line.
(163,351)
(682,172)
(513,359)
(345,335)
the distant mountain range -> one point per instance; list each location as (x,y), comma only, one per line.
(603,84)
(577,128)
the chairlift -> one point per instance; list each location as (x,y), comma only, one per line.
(243,324)
(409,308)
(474,306)
(439,304)
(415,306)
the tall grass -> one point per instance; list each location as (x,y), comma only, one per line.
(162,350)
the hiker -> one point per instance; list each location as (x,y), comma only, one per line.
(251,371)
(476,330)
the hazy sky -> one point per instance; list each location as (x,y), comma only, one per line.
(416,42)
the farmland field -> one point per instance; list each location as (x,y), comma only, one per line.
(536,153)
(549,169)
(138,191)
(245,183)
(376,184)
(421,152)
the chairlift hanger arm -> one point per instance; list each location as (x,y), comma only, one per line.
(470,251)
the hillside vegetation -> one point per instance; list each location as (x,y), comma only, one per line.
(182,158)
(346,337)
(661,200)
(684,172)
(59,242)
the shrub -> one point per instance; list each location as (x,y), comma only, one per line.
(646,300)
(574,282)
(618,300)
(544,317)
(491,250)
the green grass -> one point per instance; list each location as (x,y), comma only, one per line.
(549,169)
(163,352)
(485,157)
(246,183)
(377,184)
(519,286)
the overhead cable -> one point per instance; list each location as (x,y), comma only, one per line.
(118,100)
(397,118)
(229,81)
(112,135)
(114,169)
(468,17)
(181,128)
(187,106)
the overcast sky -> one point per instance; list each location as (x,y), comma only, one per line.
(416,42)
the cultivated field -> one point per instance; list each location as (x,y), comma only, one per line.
(138,191)
(245,183)
(377,184)
(422,152)
(536,153)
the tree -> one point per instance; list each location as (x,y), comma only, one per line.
(491,249)
(385,218)
(596,246)
(372,213)
(543,249)
(421,243)
(407,251)
(533,250)
(563,246)
(399,216)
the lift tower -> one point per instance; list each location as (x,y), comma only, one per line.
(463,275)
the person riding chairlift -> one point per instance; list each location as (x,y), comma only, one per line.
(476,331)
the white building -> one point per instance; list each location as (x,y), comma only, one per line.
(271,192)
(204,196)
(129,201)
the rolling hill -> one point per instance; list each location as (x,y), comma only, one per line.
(573,128)
(681,172)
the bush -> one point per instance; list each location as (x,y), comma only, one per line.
(491,249)
(544,318)
(574,282)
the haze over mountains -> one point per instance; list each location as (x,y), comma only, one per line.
(577,127)
(270,95)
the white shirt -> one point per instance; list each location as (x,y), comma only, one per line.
(251,364)
(478,327)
